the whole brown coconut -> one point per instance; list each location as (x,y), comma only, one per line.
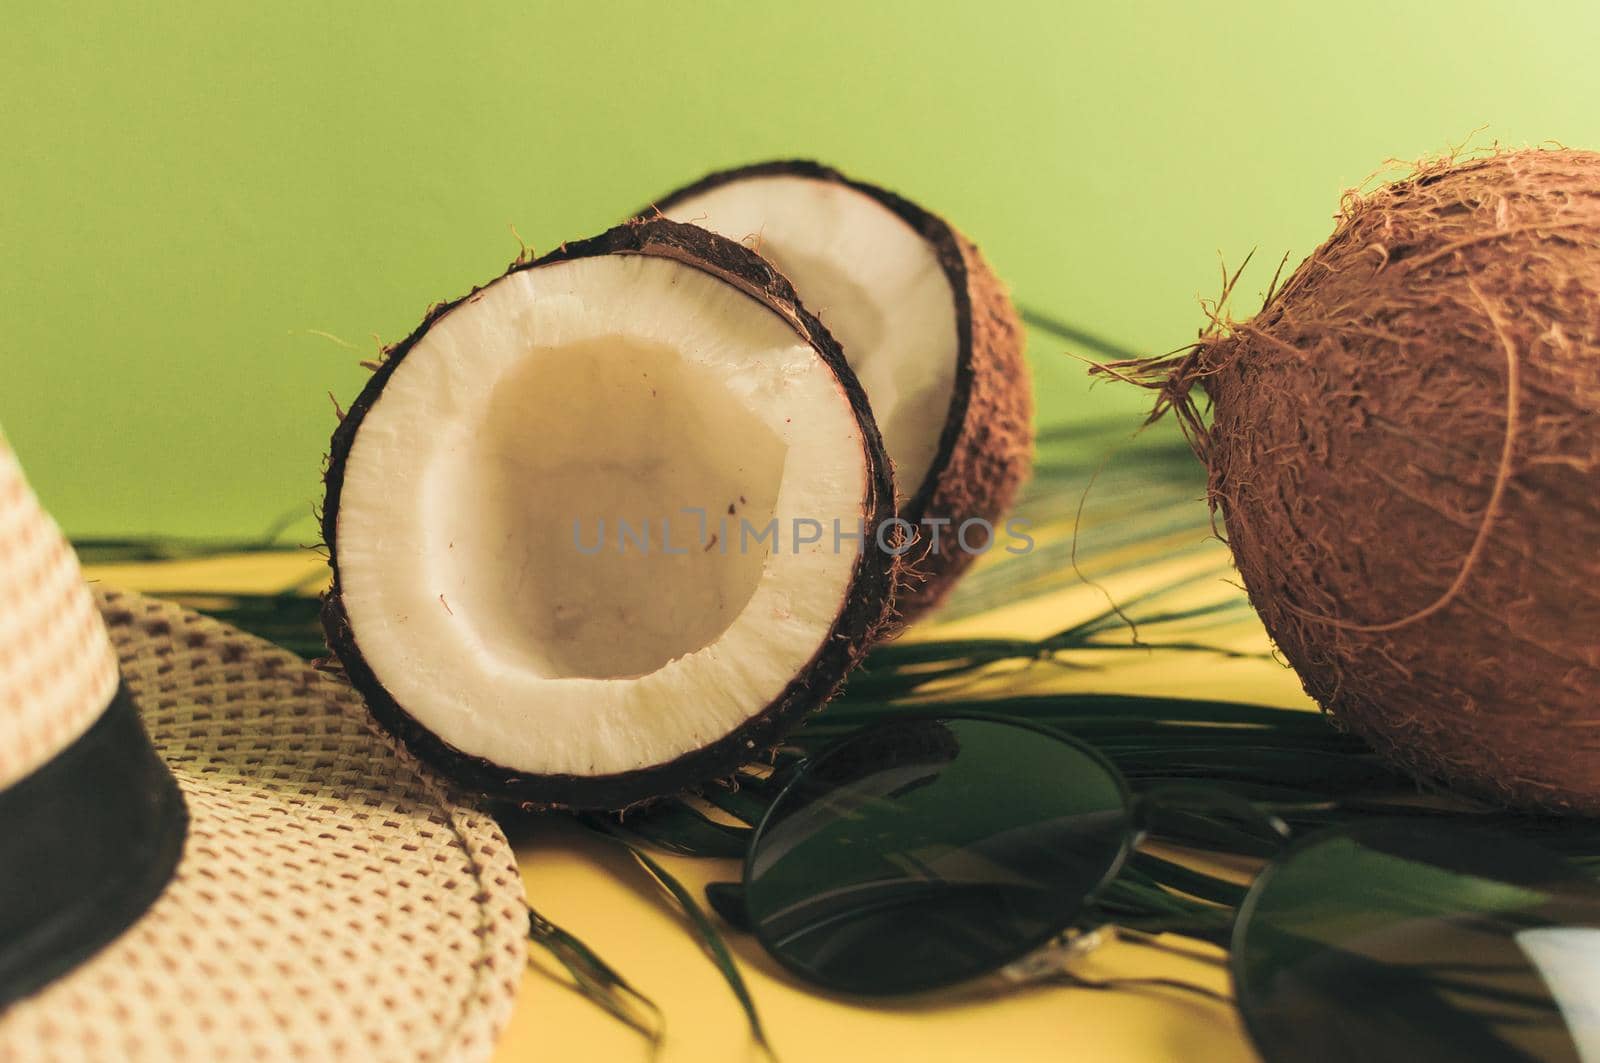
(1405,448)
(961,451)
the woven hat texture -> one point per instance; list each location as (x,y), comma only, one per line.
(57,671)
(333,901)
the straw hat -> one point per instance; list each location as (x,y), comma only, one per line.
(264,877)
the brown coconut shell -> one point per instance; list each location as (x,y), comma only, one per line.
(862,615)
(1405,448)
(986,448)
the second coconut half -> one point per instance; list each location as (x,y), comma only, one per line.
(926,325)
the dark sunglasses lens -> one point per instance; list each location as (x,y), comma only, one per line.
(924,852)
(1420,942)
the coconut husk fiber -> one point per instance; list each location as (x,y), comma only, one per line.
(1405,450)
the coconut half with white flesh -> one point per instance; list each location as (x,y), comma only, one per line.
(595,527)
(928,329)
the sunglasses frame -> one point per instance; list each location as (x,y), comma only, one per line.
(1135,830)
(1136,814)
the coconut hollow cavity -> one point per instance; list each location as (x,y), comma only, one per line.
(582,523)
(927,327)
(1405,446)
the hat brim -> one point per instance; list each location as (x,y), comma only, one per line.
(333,900)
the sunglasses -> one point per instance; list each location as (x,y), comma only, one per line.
(928,851)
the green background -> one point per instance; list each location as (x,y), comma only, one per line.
(186,195)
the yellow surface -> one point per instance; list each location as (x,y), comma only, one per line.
(596,893)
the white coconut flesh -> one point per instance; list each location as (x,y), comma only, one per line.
(872,279)
(482,564)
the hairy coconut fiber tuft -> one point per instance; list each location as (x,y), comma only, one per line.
(1405,448)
